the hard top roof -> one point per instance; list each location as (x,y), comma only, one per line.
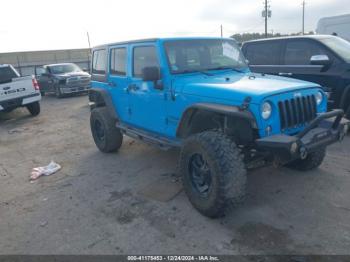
(157,39)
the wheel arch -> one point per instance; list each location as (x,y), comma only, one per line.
(100,97)
(232,120)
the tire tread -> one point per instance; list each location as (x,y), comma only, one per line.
(229,162)
(114,137)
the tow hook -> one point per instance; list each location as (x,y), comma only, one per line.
(303,152)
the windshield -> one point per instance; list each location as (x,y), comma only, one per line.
(197,55)
(66,68)
(339,46)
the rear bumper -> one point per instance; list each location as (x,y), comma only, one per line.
(18,102)
(326,129)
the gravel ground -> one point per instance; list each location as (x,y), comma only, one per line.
(132,201)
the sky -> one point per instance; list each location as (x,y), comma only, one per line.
(28,25)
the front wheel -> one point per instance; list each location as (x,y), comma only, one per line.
(107,136)
(214,175)
(312,161)
(34,108)
(347,113)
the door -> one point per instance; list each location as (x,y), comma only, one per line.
(296,60)
(264,57)
(147,103)
(42,76)
(118,80)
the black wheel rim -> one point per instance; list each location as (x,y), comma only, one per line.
(99,130)
(200,175)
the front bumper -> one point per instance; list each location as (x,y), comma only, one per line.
(74,89)
(324,130)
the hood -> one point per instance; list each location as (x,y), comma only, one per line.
(71,74)
(239,86)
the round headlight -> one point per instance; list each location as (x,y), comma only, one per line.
(266,110)
(319,98)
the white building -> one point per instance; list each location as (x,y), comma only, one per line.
(25,62)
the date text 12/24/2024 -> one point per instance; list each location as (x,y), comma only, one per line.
(173,258)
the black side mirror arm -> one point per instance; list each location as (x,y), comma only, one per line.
(158,84)
(326,67)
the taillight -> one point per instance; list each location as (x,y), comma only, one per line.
(35,84)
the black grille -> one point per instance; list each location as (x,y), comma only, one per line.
(297,111)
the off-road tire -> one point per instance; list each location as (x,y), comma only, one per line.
(34,108)
(228,172)
(347,113)
(312,161)
(112,137)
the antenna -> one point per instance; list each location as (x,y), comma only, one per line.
(88,38)
(89,55)
(303,23)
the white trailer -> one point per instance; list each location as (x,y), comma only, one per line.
(335,25)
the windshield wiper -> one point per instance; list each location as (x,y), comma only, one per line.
(226,68)
(195,71)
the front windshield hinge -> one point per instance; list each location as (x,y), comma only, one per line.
(245,104)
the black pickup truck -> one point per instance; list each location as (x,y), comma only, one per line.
(62,79)
(322,59)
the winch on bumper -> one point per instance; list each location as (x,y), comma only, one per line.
(324,130)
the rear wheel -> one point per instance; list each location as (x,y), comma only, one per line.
(214,175)
(312,161)
(34,108)
(107,137)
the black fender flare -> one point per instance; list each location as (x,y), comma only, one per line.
(227,110)
(345,94)
(100,97)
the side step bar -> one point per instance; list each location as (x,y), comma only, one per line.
(161,142)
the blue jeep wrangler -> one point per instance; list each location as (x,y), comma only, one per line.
(199,95)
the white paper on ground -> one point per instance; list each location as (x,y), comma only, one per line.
(48,170)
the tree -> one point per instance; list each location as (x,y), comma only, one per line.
(240,38)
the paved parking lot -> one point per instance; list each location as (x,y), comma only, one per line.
(132,202)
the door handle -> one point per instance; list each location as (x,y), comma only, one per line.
(285,74)
(112,84)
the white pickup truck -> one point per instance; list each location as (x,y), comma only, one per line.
(17,91)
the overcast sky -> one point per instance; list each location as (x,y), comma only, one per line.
(44,24)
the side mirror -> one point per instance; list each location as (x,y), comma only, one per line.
(151,73)
(322,60)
